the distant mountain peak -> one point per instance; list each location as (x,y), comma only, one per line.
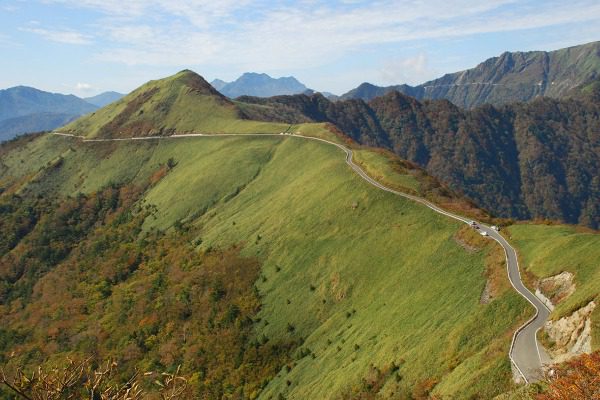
(104,98)
(259,85)
(253,74)
(366,85)
(218,84)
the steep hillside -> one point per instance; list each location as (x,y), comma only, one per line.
(508,78)
(535,160)
(351,282)
(24,109)
(260,85)
(184,102)
(104,99)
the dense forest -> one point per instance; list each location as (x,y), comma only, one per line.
(537,160)
(79,279)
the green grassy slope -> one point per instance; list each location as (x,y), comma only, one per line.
(549,250)
(363,277)
(182,103)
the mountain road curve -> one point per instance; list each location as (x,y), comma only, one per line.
(525,353)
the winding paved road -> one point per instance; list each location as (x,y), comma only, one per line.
(525,353)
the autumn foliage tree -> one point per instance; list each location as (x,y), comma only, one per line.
(81,278)
(578,379)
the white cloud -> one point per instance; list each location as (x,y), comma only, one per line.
(197,12)
(411,70)
(258,35)
(60,36)
(83,87)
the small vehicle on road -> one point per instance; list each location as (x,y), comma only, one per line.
(484,233)
(473,223)
(496,228)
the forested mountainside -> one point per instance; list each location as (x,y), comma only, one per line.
(523,160)
(508,78)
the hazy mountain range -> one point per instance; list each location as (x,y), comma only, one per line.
(103,99)
(25,109)
(260,85)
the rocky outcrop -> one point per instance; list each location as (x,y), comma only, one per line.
(571,335)
(558,287)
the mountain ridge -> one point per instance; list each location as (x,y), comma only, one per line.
(509,77)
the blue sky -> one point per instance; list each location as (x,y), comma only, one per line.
(88,46)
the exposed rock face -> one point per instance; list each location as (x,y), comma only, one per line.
(572,334)
(554,289)
(557,287)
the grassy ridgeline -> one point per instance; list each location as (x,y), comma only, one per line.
(367,279)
